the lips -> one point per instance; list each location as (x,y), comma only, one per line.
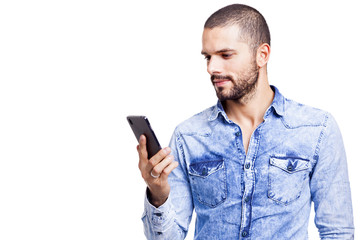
(219,83)
(220,80)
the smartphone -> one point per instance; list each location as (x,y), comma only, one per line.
(141,126)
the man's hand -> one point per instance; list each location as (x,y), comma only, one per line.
(155,172)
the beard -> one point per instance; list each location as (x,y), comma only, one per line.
(243,87)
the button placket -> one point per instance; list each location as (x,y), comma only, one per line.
(249,181)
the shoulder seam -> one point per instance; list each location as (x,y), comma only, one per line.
(321,136)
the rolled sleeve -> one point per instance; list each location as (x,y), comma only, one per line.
(159,220)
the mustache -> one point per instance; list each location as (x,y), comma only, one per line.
(220,77)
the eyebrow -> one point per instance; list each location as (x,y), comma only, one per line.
(219,51)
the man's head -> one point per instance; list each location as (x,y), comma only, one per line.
(253,28)
(236,45)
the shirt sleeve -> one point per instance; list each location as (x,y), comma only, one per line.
(171,220)
(330,187)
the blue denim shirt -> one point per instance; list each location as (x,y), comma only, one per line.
(295,156)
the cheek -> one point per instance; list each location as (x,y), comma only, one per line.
(235,67)
(242,63)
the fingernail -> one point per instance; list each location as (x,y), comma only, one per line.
(167,150)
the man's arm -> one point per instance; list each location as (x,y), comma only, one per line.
(167,213)
(330,187)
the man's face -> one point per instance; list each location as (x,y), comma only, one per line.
(230,63)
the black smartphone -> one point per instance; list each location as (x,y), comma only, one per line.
(141,126)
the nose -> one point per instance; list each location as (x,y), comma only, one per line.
(214,65)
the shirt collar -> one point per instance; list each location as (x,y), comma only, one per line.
(278,104)
(218,109)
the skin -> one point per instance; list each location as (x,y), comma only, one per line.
(161,164)
(226,55)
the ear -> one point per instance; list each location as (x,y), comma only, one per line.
(262,55)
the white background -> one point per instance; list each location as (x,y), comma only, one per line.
(71,71)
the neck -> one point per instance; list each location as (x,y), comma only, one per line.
(249,111)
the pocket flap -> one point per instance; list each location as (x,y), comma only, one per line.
(290,164)
(204,169)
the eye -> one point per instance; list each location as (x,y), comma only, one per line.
(226,56)
(207,58)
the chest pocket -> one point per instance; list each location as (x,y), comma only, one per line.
(287,176)
(208,182)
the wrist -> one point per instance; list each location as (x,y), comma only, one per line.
(154,200)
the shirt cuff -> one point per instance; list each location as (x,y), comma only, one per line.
(161,218)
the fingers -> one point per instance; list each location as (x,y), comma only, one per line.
(157,158)
(155,171)
(158,169)
(157,164)
(168,169)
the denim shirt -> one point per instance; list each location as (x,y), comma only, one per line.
(295,156)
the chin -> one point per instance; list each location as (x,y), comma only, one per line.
(225,96)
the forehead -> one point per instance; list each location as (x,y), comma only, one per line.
(227,37)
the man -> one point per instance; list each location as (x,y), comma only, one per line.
(250,165)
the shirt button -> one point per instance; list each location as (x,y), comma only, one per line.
(238,134)
(290,168)
(244,233)
(247,199)
(271,194)
(247,165)
(158,214)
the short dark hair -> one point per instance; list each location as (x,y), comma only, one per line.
(254,29)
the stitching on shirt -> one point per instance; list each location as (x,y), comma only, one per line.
(178,141)
(197,134)
(288,125)
(302,125)
(317,149)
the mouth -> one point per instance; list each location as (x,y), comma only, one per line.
(220,83)
(220,80)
